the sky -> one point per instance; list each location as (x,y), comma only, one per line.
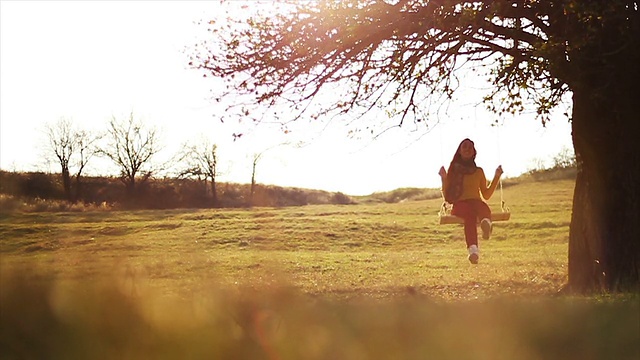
(91,61)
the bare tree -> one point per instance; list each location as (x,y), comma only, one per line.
(202,160)
(62,142)
(256,159)
(86,150)
(72,148)
(564,159)
(131,147)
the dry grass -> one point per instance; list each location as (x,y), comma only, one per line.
(369,281)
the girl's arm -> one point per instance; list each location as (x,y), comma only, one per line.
(488,190)
(443,177)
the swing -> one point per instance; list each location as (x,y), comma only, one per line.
(445,217)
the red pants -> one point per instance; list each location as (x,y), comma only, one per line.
(471,210)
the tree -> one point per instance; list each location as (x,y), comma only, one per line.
(403,54)
(202,160)
(256,158)
(564,159)
(254,165)
(131,147)
(72,148)
(86,150)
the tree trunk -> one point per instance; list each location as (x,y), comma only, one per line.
(66,183)
(130,186)
(78,184)
(604,237)
(253,181)
(214,192)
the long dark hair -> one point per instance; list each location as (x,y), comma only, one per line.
(458,168)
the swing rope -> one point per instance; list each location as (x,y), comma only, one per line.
(444,209)
(503,206)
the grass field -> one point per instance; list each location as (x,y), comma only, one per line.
(367,281)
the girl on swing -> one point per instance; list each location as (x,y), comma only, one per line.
(465,186)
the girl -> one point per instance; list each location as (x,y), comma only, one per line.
(465,186)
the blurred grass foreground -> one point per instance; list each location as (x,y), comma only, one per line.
(43,318)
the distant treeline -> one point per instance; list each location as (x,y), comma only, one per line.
(109,192)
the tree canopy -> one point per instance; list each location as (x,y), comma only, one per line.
(403,55)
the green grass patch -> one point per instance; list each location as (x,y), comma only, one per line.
(367,281)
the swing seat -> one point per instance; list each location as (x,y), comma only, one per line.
(452,219)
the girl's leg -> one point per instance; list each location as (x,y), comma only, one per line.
(466,210)
(482,210)
(484,216)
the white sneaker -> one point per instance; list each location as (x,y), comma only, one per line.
(474,254)
(486,227)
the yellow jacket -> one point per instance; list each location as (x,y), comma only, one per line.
(475,185)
